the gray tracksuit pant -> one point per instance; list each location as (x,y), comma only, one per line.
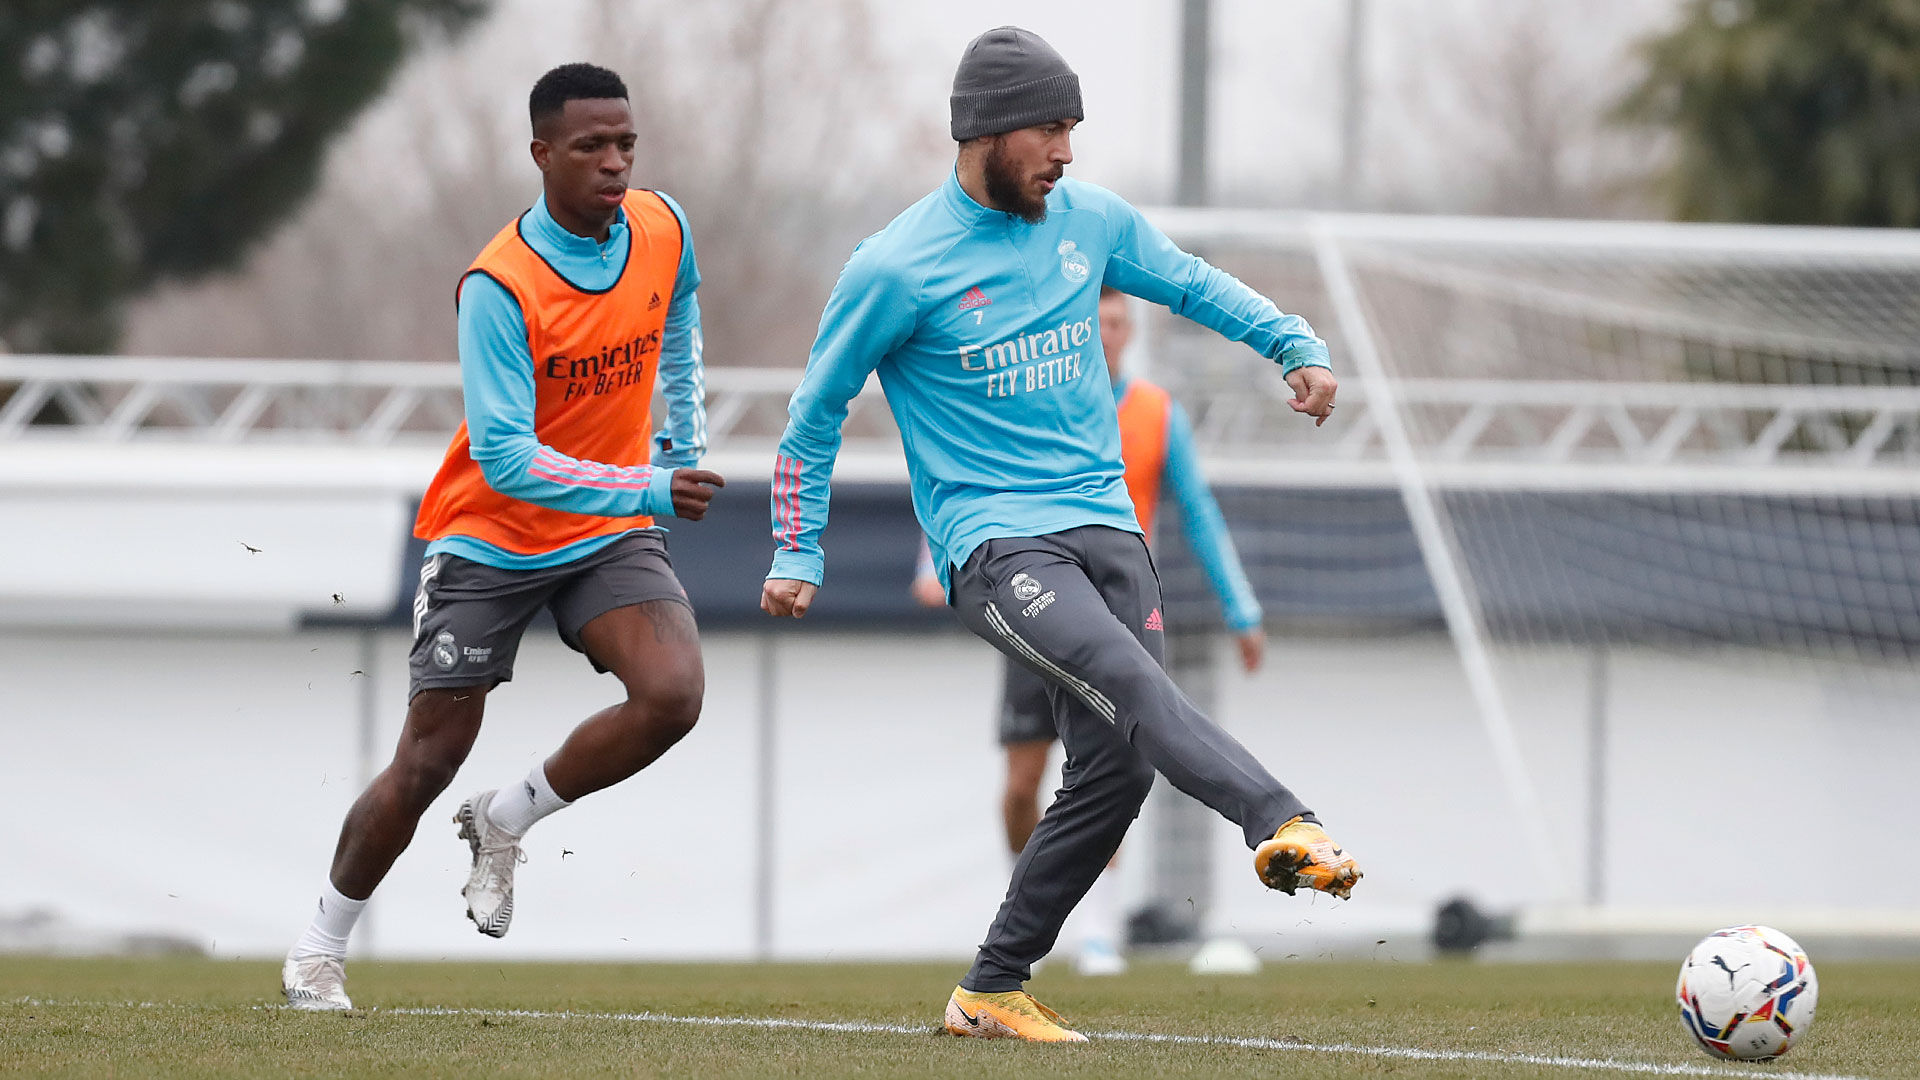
(1082,609)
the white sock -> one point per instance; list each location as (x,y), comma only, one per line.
(1099,911)
(327,934)
(515,809)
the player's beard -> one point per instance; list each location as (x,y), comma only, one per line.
(1008,189)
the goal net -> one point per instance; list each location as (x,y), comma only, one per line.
(1612,550)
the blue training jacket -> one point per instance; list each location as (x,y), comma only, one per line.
(985,333)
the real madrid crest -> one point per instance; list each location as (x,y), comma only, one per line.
(1024,587)
(1073,265)
(443,651)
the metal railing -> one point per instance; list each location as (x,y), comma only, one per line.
(1503,432)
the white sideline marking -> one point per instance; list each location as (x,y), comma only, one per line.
(862,1027)
(1240,1041)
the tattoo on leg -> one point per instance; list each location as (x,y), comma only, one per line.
(672,622)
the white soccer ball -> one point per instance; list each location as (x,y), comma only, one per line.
(1747,993)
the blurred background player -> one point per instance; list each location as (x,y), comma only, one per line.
(978,308)
(1156,444)
(546,499)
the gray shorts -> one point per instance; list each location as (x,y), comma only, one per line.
(468,617)
(1026,714)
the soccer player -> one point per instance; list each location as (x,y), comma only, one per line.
(977,308)
(1156,447)
(546,498)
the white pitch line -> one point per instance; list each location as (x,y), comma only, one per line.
(1244,1042)
(862,1027)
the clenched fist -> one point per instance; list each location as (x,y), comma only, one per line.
(692,491)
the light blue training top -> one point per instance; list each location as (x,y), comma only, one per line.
(496,376)
(984,330)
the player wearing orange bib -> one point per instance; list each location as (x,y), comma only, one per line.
(546,499)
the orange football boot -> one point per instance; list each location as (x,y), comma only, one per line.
(1301,853)
(1011,1014)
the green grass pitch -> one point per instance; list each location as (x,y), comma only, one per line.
(172,1017)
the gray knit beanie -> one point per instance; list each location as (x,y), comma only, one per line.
(1009,79)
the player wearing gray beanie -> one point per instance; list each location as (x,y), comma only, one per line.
(1015,103)
(978,307)
(1009,79)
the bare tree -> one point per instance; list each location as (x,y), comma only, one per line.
(367,271)
(768,120)
(779,140)
(1508,107)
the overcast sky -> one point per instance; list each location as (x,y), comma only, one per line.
(446,149)
(1277,79)
(1277,74)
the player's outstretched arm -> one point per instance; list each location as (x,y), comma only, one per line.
(1143,262)
(871,311)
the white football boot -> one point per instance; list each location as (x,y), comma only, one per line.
(489,888)
(315,983)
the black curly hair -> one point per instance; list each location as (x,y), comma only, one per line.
(570,82)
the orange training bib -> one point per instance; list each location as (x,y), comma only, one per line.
(594,360)
(1145,412)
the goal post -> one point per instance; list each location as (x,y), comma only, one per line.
(1663,485)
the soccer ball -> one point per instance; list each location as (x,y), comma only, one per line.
(1747,993)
